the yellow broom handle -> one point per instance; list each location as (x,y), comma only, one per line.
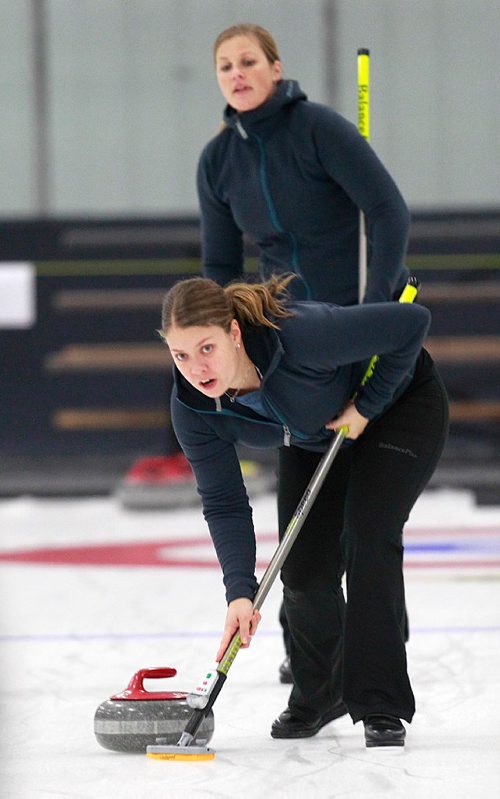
(364,129)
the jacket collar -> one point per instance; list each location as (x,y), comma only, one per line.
(288,92)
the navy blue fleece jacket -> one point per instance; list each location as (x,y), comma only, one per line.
(311,367)
(292,176)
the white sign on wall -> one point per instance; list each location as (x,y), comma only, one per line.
(17,295)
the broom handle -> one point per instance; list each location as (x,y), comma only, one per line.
(300,515)
(364,129)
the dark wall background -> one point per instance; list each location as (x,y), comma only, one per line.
(91,378)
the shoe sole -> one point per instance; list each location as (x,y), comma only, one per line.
(385,745)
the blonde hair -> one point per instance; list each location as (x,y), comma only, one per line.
(263,37)
(199,302)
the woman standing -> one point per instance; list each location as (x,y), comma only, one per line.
(253,369)
(292,175)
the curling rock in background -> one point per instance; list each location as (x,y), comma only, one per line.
(158,482)
(162,482)
(136,718)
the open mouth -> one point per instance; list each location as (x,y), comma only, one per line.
(206,385)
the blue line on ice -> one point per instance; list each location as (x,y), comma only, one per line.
(59,637)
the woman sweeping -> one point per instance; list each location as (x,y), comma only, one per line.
(253,368)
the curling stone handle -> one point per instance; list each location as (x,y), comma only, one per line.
(154,673)
(136,684)
(135,689)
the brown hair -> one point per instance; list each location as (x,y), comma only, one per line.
(262,36)
(199,301)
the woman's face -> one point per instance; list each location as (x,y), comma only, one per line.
(207,357)
(245,76)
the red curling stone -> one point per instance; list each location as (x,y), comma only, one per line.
(137,718)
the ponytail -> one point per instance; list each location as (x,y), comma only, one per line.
(199,302)
(254,303)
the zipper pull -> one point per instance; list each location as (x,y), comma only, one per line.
(241,130)
(287,436)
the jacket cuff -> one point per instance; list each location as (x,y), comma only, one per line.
(240,587)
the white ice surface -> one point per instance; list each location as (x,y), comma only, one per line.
(73,635)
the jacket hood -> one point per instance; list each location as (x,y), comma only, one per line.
(288,92)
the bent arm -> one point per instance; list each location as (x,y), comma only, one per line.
(397,349)
(353,164)
(348,337)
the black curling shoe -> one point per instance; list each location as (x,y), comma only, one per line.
(383,730)
(285,672)
(289,726)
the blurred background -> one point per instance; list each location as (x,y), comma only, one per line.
(105,106)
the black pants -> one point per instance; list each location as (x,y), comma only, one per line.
(356,651)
